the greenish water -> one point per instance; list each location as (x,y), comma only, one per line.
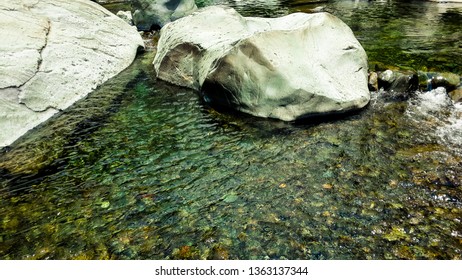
(407,34)
(144,170)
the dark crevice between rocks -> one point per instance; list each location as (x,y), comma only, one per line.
(19,183)
(140,50)
(155,27)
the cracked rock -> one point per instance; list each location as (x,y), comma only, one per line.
(53,53)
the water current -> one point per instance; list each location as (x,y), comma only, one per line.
(144,170)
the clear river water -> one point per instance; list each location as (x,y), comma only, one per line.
(145,170)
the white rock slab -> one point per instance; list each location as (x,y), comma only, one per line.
(52,54)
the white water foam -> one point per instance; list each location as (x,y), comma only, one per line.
(452,131)
(436,113)
(434,101)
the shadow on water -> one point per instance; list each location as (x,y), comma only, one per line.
(16,183)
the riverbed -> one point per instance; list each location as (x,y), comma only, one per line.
(145,170)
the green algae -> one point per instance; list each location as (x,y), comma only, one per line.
(144,170)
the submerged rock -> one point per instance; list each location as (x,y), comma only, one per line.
(154,14)
(218,252)
(402,88)
(449,81)
(53,53)
(424,81)
(285,68)
(397,86)
(395,81)
(456,95)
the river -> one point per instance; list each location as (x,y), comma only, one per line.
(145,170)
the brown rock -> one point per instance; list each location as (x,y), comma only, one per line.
(456,95)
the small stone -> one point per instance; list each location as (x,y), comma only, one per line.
(406,83)
(396,234)
(230,198)
(373,81)
(393,183)
(298,200)
(386,78)
(398,86)
(219,253)
(186,253)
(456,95)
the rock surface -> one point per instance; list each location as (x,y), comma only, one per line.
(111,1)
(450,81)
(53,53)
(126,16)
(286,68)
(154,14)
(397,86)
(456,95)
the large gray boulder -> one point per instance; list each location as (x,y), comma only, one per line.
(286,68)
(154,14)
(53,53)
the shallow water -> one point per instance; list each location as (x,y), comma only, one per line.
(407,34)
(145,170)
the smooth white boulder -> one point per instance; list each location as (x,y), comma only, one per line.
(53,53)
(126,16)
(286,68)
